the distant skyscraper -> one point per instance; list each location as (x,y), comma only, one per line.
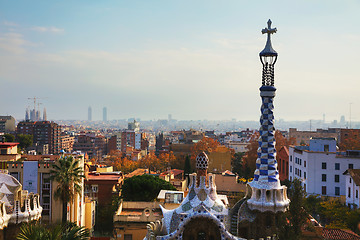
(32,115)
(105,114)
(38,115)
(89,114)
(169,117)
(342,120)
(27,115)
(44,115)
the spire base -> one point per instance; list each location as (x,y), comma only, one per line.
(267,197)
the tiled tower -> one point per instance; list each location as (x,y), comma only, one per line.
(267,193)
(266,198)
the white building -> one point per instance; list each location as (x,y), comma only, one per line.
(320,167)
(352,181)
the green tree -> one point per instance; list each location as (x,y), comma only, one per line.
(144,188)
(66,231)
(237,163)
(69,174)
(24,140)
(187,166)
(9,137)
(105,216)
(292,221)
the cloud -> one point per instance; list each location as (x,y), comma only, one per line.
(47,29)
(13,42)
(10,24)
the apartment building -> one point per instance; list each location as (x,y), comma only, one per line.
(43,132)
(321,167)
(33,172)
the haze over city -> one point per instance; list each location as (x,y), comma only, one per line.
(195,60)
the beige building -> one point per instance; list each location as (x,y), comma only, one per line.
(67,143)
(220,160)
(238,146)
(303,137)
(8,152)
(39,183)
(131,219)
(7,124)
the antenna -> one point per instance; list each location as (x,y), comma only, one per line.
(350,114)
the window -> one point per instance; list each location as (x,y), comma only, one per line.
(287,169)
(351,166)
(323,177)
(337,191)
(349,192)
(304,175)
(326,148)
(290,178)
(128,237)
(323,165)
(299,173)
(337,178)
(94,188)
(300,161)
(290,168)
(357,194)
(337,166)
(323,190)
(304,163)
(350,180)
(304,187)
(290,158)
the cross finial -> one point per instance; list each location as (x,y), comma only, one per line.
(269,30)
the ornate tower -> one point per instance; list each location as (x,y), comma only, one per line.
(266,197)
(267,193)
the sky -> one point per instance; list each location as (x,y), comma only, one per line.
(192,59)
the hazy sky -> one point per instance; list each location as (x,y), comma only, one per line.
(192,59)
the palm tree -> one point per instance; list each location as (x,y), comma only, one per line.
(66,231)
(69,174)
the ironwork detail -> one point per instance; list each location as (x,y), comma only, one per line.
(268,74)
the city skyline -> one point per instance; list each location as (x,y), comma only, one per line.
(193,60)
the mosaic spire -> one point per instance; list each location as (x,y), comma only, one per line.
(266,175)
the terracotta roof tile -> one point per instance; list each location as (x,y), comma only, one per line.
(355,174)
(339,234)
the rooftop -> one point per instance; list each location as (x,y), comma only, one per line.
(108,176)
(8,144)
(355,174)
(339,234)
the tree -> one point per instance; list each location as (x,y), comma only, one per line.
(334,214)
(187,166)
(144,188)
(9,137)
(249,159)
(66,231)
(69,175)
(120,162)
(24,140)
(206,145)
(293,220)
(350,140)
(281,141)
(237,163)
(105,215)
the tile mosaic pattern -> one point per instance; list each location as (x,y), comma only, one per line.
(266,165)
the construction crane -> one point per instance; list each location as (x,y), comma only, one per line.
(35,99)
